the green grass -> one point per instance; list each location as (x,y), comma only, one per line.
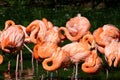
(58,16)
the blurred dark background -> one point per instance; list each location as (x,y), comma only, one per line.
(55,3)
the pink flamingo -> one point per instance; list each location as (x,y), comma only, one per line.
(104,35)
(59,59)
(81,51)
(12,38)
(112,53)
(76,28)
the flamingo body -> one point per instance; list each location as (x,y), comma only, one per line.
(12,37)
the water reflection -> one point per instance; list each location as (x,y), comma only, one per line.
(27,74)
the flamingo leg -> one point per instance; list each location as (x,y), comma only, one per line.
(57,73)
(9,65)
(42,77)
(76,71)
(37,68)
(106,74)
(9,68)
(73,73)
(107,71)
(21,63)
(16,71)
(21,60)
(51,75)
(32,61)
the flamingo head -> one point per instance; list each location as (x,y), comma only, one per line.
(89,40)
(78,24)
(9,23)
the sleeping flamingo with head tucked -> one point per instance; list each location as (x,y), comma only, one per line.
(49,43)
(9,23)
(104,35)
(12,39)
(59,58)
(76,28)
(38,28)
(107,39)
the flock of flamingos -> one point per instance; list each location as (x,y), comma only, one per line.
(46,37)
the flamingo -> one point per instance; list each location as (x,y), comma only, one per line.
(9,23)
(36,28)
(47,23)
(39,29)
(81,50)
(58,59)
(44,35)
(104,35)
(12,39)
(50,40)
(112,53)
(88,67)
(35,51)
(76,28)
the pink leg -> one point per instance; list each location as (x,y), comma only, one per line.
(16,71)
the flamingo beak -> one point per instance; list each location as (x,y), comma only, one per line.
(112,61)
(92,46)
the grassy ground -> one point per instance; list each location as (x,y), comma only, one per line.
(58,16)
